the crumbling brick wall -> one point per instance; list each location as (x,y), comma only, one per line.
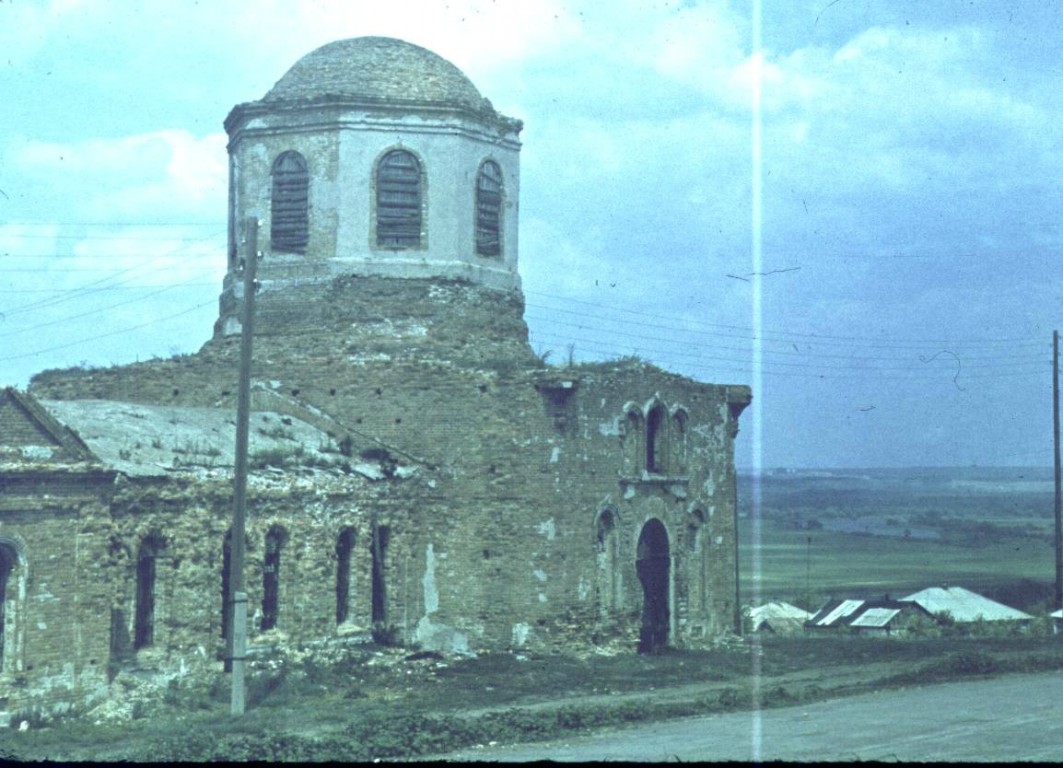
(496,541)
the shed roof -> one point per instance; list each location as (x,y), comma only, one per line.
(830,615)
(777,613)
(964,605)
(875,617)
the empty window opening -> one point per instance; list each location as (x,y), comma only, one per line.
(679,439)
(489,209)
(654,443)
(8,562)
(271,571)
(606,546)
(653,565)
(144,609)
(344,561)
(631,440)
(398,201)
(289,212)
(379,548)
(697,581)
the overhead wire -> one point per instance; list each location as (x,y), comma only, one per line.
(657,335)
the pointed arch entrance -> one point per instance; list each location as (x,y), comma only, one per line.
(653,562)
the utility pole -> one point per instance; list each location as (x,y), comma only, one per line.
(1055,442)
(238,585)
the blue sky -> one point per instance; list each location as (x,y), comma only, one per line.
(909,169)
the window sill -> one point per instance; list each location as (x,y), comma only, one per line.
(676,485)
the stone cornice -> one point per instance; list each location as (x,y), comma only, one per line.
(495,122)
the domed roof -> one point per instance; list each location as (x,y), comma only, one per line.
(376,68)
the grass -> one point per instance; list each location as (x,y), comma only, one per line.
(375,704)
(842,564)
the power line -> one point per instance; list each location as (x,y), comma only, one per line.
(95,310)
(820,337)
(92,287)
(614,331)
(106,335)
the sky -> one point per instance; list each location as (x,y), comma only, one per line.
(851,206)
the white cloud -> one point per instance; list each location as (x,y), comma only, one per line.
(26,27)
(150,177)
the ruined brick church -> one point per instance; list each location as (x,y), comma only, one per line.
(418,474)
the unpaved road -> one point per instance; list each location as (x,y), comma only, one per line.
(1019,717)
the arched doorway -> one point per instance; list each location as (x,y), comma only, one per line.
(652,565)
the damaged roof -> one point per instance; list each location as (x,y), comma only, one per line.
(145,440)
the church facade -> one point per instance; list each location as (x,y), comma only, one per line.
(419,476)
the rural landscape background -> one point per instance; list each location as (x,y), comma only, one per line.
(866,532)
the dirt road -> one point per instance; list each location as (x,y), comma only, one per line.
(1019,717)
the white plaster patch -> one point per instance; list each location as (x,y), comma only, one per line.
(583,589)
(520,634)
(36,452)
(719,539)
(548,529)
(609,428)
(41,625)
(710,486)
(542,597)
(555,454)
(431,591)
(629,491)
(540,574)
(371,471)
(439,637)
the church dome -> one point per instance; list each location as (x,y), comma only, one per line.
(377,69)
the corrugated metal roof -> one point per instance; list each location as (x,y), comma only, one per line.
(875,617)
(843,609)
(964,605)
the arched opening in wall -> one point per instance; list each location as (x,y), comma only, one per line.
(654,440)
(9,604)
(344,563)
(378,546)
(606,549)
(679,440)
(144,605)
(271,576)
(289,209)
(489,209)
(653,565)
(398,200)
(631,437)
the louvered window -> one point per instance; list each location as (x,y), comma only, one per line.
(489,209)
(398,201)
(290,220)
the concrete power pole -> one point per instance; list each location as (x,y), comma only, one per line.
(1055,442)
(238,625)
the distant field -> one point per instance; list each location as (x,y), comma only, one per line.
(986,530)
